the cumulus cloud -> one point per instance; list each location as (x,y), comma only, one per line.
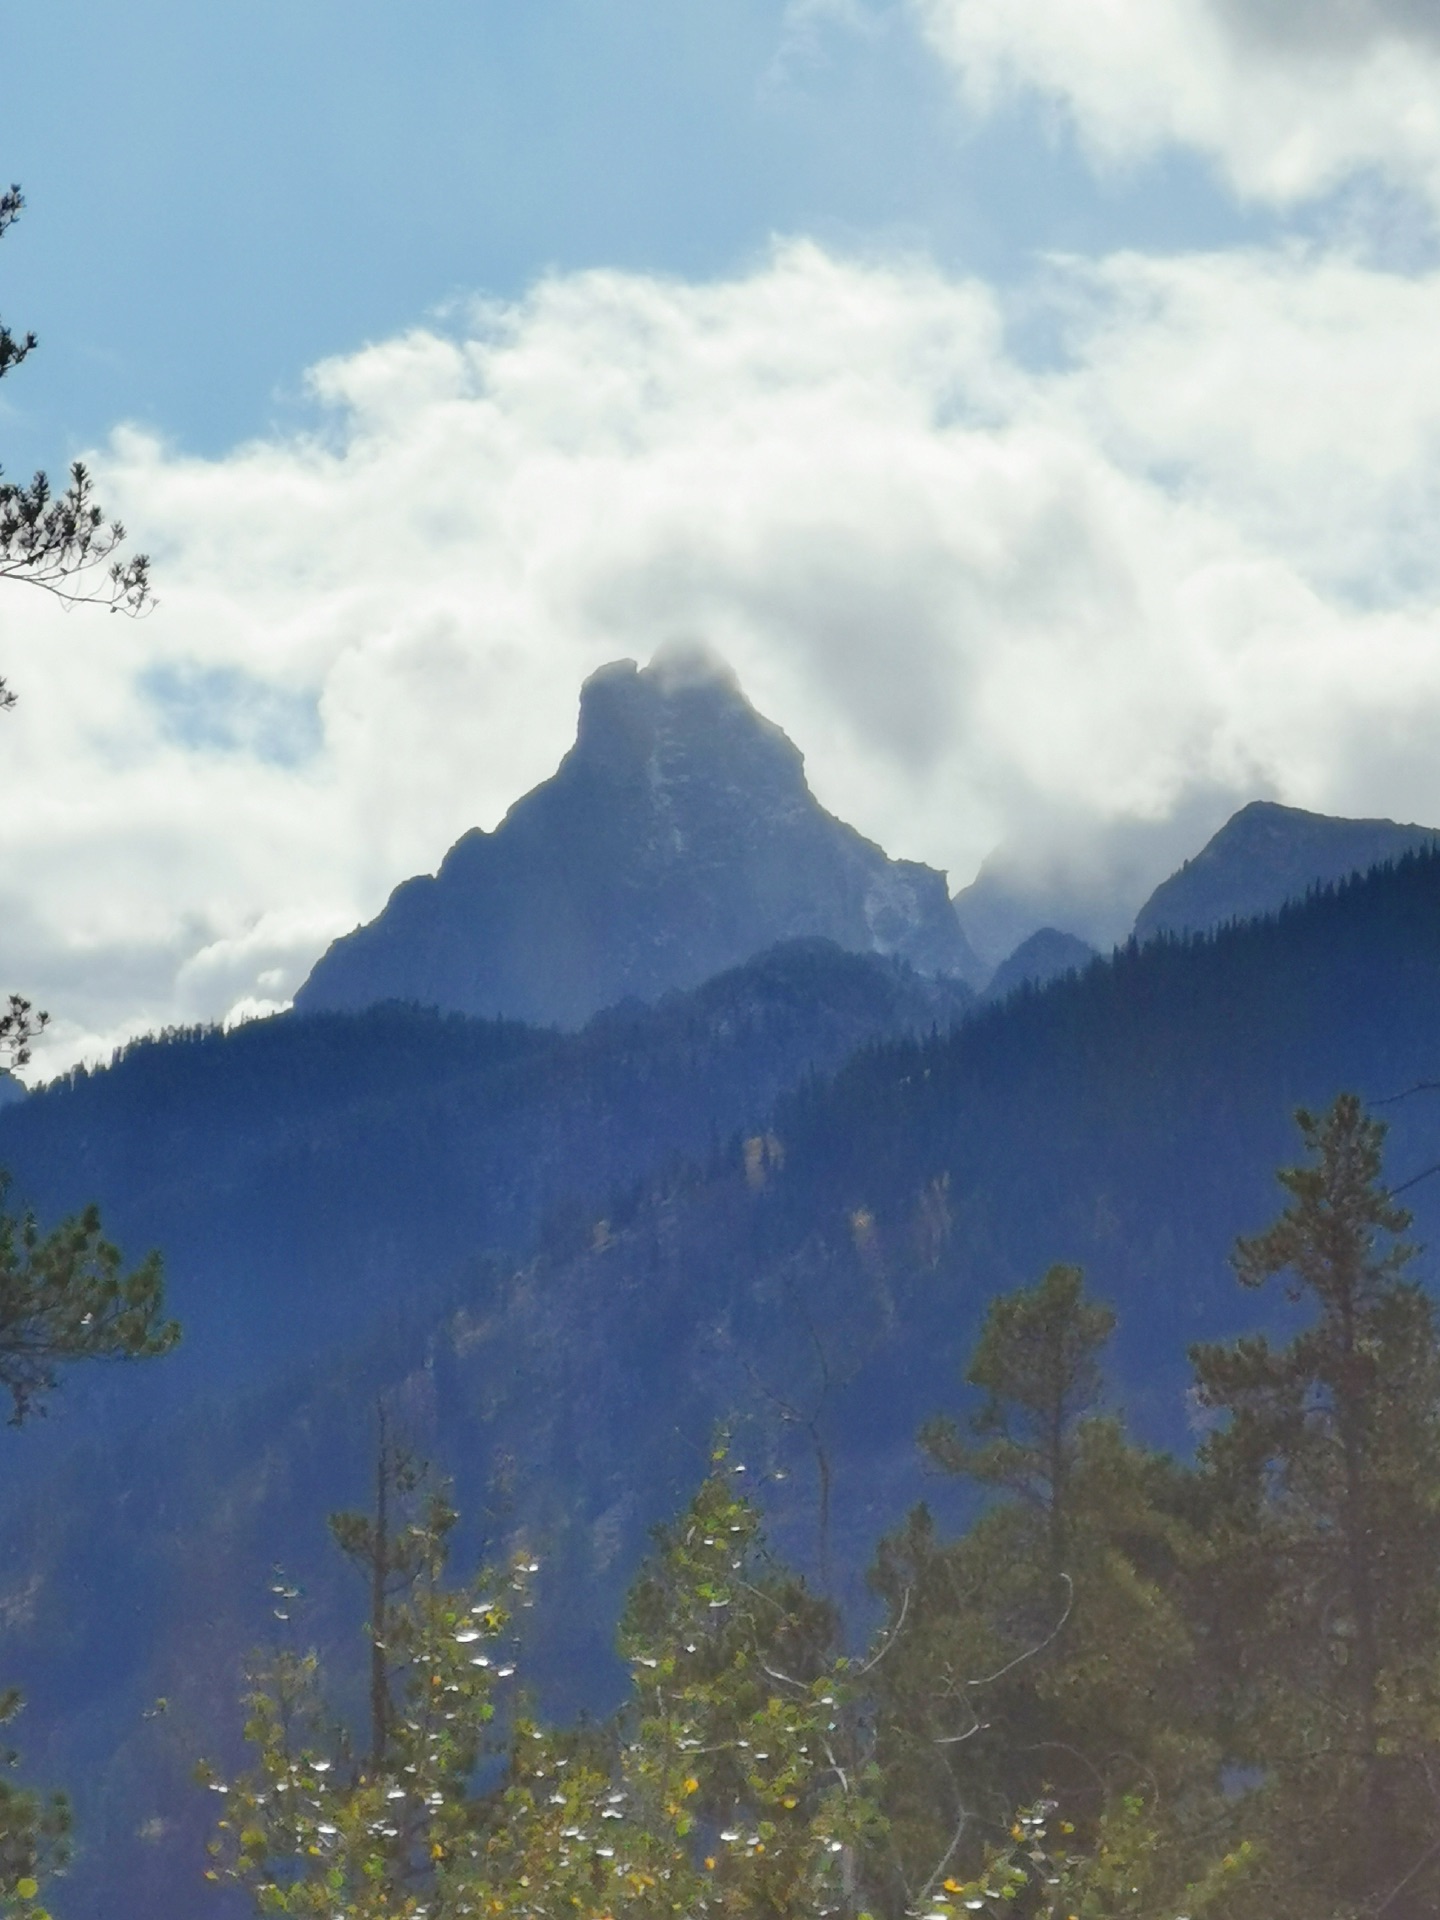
(1288,100)
(1293,390)
(1049,607)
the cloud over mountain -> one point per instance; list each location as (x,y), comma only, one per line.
(990,597)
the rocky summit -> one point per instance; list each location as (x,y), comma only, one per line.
(678,837)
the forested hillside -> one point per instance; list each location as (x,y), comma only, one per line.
(306,1175)
(711,1207)
(817,1279)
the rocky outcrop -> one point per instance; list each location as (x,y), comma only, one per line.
(677,838)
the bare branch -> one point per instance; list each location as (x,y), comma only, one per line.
(1393,1100)
(891,1637)
(1414,1180)
(1396,1891)
(1030,1653)
(959,1739)
(784,1679)
(956,1837)
(1420,1086)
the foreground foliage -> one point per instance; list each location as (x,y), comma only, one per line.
(1131,1689)
(65,1299)
(730,1784)
(61,541)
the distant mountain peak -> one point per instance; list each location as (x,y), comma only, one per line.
(681,718)
(1268,854)
(677,838)
(679,666)
(1047,955)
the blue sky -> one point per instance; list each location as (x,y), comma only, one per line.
(1038,405)
(220,196)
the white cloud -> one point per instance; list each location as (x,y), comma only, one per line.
(1288,100)
(988,601)
(1293,390)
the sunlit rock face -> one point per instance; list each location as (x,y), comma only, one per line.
(678,837)
(1264,856)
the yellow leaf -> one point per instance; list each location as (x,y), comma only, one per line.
(27,1888)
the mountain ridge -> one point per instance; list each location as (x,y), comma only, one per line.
(290,1147)
(677,837)
(1045,956)
(837,1257)
(1267,855)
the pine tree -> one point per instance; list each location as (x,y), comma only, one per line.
(1038,1364)
(1324,1586)
(66,1298)
(1045,1653)
(60,542)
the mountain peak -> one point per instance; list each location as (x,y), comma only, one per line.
(684,712)
(1268,854)
(677,837)
(1047,955)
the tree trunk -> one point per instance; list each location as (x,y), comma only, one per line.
(379,1584)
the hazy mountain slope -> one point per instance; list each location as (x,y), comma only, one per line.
(677,838)
(834,1266)
(1265,855)
(1045,956)
(302,1173)
(1008,901)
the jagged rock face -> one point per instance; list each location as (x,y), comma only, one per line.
(1266,855)
(677,838)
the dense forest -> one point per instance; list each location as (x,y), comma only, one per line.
(1131,1639)
(305,1170)
(1133,1686)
